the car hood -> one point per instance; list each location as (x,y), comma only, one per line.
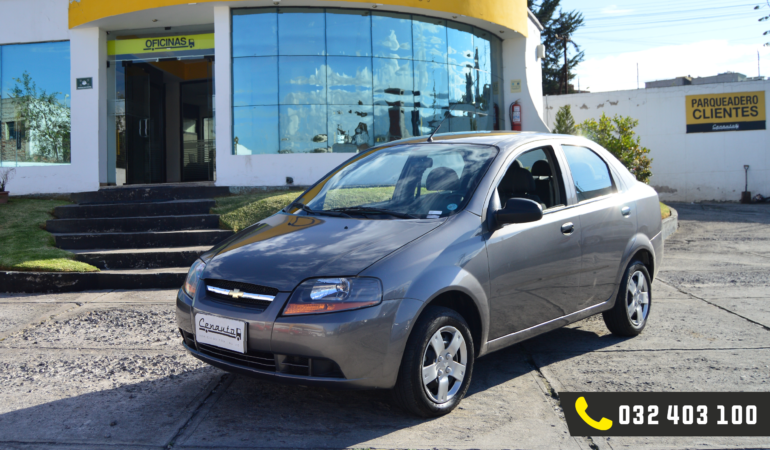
(285,249)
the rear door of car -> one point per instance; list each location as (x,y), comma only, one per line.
(534,267)
(607,220)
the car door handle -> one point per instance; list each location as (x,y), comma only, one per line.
(568,228)
(626,211)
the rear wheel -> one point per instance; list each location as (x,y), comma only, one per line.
(436,367)
(632,307)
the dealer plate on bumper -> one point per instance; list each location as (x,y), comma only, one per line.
(221,332)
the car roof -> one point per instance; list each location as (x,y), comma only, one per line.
(496,138)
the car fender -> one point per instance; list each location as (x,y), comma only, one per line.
(639,241)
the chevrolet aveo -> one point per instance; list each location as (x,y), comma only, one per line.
(406,263)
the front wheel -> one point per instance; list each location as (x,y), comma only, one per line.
(632,307)
(436,367)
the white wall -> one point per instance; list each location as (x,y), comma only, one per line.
(23,21)
(520,62)
(685,167)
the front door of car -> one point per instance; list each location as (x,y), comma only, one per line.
(534,267)
(607,222)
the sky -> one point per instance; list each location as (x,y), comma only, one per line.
(668,39)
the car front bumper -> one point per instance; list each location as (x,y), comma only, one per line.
(365,345)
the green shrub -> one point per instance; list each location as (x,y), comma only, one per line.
(565,123)
(617,135)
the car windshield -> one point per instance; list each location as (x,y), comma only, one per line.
(405,181)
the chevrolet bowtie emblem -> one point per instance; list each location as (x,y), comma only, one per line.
(235,293)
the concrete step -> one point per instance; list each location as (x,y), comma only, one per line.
(144,258)
(37,282)
(152,239)
(133,224)
(147,194)
(170,208)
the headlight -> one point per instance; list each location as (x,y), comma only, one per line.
(191,283)
(324,295)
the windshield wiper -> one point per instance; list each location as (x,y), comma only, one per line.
(366,209)
(321,212)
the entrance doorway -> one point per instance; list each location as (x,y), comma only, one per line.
(162,110)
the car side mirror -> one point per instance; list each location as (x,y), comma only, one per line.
(519,210)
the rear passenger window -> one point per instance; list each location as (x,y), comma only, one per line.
(589,172)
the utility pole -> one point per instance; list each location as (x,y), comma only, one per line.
(637,75)
(565,39)
(759,71)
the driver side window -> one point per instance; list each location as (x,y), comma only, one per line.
(534,175)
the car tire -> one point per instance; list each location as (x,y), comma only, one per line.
(633,304)
(437,397)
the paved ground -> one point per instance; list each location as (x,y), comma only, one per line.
(105,369)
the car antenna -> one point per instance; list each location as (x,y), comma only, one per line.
(446,115)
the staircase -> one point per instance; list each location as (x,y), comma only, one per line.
(140,237)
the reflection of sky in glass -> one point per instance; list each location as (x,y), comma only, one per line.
(48,64)
(348,33)
(349,80)
(430,80)
(303,129)
(255,81)
(256,129)
(460,43)
(302,80)
(392,35)
(301,31)
(255,32)
(430,39)
(421,67)
(393,81)
(481,42)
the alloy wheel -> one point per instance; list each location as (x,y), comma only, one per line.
(637,299)
(444,364)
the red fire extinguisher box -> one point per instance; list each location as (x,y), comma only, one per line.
(515,114)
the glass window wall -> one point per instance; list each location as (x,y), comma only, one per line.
(322,80)
(35,104)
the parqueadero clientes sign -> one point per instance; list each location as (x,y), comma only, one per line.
(738,111)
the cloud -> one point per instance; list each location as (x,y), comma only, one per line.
(704,58)
(613,10)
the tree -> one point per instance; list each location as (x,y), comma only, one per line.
(617,136)
(556,23)
(46,119)
(565,123)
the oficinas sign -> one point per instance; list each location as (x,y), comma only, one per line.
(738,111)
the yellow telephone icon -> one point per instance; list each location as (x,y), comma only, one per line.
(581,405)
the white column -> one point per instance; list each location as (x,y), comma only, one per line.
(89,109)
(223,89)
(520,62)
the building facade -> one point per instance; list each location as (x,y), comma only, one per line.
(700,136)
(248,92)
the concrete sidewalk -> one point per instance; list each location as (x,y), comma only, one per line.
(106,369)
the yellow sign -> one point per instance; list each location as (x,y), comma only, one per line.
(515,86)
(154,45)
(738,111)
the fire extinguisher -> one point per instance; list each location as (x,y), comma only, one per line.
(515,114)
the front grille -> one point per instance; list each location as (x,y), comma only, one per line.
(255,360)
(243,287)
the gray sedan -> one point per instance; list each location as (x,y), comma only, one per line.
(406,263)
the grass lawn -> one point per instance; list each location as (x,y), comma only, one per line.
(665,211)
(25,246)
(240,211)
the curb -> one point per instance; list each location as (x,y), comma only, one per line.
(670,224)
(59,282)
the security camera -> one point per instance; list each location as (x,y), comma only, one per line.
(276,2)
